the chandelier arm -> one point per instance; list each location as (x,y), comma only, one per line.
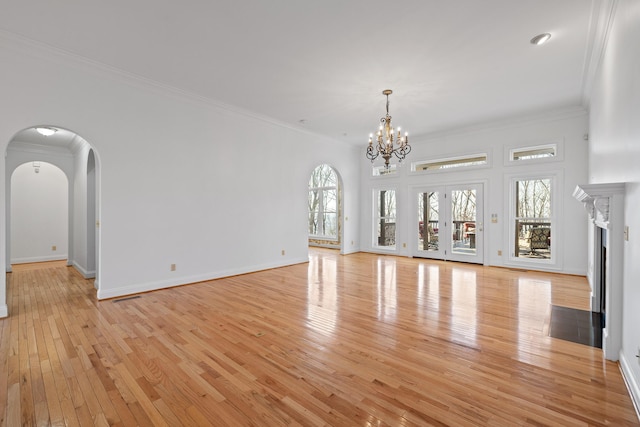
(401,152)
(372,154)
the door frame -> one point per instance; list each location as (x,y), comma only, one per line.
(445,253)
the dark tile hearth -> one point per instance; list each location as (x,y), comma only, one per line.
(579,326)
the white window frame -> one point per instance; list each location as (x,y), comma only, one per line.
(510,151)
(376,219)
(321,206)
(382,171)
(453,159)
(555,261)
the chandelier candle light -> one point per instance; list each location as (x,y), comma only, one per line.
(385,139)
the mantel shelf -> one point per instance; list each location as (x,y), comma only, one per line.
(596,199)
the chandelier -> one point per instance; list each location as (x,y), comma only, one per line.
(387,142)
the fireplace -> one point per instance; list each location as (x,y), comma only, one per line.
(604,204)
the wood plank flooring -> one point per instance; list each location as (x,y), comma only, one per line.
(357,340)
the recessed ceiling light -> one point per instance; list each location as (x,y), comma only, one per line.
(46,131)
(541,39)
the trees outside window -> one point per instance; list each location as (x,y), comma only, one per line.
(428,222)
(323,203)
(386,218)
(533,218)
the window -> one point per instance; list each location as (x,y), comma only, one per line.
(531,153)
(382,170)
(428,222)
(532,210)
(450,163)
(385,205)
(323,203)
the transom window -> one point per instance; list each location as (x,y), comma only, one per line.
(382,170)
(323,203)
(451,163)
(531,153)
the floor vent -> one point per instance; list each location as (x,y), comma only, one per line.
(126,299)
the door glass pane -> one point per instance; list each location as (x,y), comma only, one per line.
(428,214)
(533,219)
(463,221)
(386,218)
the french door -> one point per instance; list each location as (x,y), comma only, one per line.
(448,223)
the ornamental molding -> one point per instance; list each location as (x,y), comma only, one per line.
(596,199)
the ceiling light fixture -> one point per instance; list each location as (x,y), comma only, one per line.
(541,39)
(385,139)
(46,131)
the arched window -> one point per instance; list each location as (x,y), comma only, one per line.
(323,203)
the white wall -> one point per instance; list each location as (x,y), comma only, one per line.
(19,153)
(79,259)
(614,156)
(567,128)
(39,212)
(182,180)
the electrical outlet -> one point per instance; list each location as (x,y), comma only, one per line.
(499,253)
(404,245)
(54,248)
(283,252)
(173,267)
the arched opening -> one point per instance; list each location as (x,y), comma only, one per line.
(39,213)
(92,231)
(71,155)
(325,208)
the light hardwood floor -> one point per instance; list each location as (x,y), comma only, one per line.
(360,340)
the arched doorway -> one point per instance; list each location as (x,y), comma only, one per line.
(77,159)
(92,223)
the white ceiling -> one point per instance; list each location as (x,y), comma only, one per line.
(450,63)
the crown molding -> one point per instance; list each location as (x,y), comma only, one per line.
(546,116)
(43,50)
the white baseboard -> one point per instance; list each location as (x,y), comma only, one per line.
(86,274)
(27,260)
(350,251)
(184,280)
(4,312)
(631,382)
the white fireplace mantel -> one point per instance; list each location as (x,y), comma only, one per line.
(605,205)
(596,199)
